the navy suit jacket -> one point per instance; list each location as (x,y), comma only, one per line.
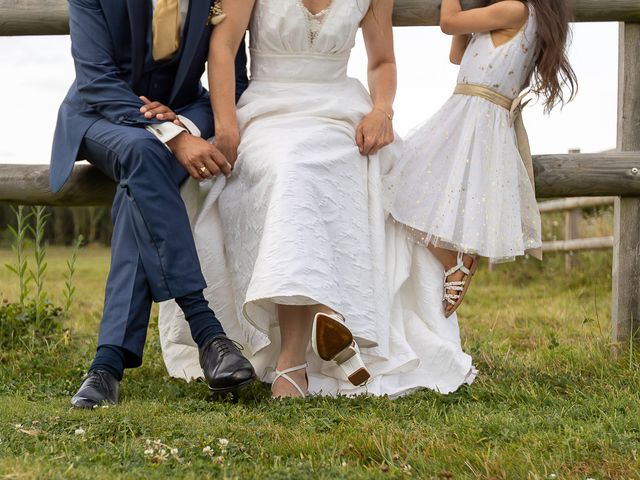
(108,39)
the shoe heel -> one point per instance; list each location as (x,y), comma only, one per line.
(352,365)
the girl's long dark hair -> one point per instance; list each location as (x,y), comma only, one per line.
(553,72)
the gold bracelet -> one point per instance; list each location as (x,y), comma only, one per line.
(387,114)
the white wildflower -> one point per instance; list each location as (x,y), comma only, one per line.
(79,431)
(207,450)
(223,442)
(148,452)
(174,451)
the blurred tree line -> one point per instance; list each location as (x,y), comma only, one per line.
(65,224)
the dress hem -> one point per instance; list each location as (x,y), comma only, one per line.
(425,239)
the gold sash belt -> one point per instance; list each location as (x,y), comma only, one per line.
(514,107)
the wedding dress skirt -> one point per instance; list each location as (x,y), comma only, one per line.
(301,222)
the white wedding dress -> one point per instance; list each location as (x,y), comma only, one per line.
(301,221)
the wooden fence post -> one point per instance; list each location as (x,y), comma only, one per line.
(571,230)
(625,311)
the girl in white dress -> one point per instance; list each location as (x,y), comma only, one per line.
(300,229)
(464,184)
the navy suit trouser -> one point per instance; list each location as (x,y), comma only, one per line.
(153,254)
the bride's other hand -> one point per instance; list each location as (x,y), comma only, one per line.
(374,132)
(228,144)
(376,129)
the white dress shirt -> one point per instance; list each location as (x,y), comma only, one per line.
(167,131)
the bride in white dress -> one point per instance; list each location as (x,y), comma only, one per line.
(300,227)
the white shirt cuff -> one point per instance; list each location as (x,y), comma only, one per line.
(165,131)
(168,131)
(193,129)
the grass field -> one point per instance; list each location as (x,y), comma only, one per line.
(551,402)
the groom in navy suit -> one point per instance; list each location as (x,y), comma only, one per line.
(127,54)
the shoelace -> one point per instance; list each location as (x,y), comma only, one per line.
(97,380)
(223,345)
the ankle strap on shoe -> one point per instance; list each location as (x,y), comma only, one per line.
(284,374)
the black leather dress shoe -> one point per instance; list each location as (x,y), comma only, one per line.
(97,388)
(224,367)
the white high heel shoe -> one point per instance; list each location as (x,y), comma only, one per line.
(331,340)
(284,374)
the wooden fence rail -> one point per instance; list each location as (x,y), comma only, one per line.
(562,204)
(573,216)
(565,175)
(49,17)
(576,244)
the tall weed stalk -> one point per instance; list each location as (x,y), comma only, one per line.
(40,253)
(19,246)
(69,287)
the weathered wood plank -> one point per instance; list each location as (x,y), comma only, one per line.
(571,234)
(564,175)
(426,12)
(586,175)
(562,204)
(577,244)
(625,309)
(33,17)
(49,17)
(29,185)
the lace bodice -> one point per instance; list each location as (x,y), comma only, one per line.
(288,27)
(315,21)
(505,68)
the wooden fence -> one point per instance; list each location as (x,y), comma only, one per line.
(572,208)
(569,175)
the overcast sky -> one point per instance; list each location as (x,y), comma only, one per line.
(37,71)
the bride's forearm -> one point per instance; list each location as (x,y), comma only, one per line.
(222,83)
(383,85)
(377,30)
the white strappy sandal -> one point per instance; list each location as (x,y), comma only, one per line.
(331,340)
(461,286)
(285,374)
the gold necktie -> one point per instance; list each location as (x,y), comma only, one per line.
(166,29)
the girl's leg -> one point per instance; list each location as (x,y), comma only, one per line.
(295,332)
(448,259)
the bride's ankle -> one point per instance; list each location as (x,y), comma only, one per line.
(286,363)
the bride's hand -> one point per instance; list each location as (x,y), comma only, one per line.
(374,132)
(227,143)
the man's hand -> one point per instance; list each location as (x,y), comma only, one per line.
(158,110)
(228,144)
(201,159)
